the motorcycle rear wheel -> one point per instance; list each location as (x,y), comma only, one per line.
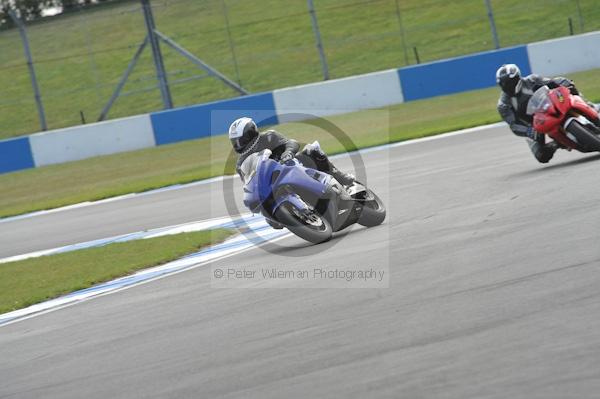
(373,211)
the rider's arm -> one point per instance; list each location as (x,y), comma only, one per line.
(562,81)
(568,83)
(238,169)
(278,141)
(507,113)
(292,146)
(536,81)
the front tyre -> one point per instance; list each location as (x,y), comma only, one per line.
(307,225)
(373,212)
(585,138)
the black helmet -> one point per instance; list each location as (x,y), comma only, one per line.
(242,132)
(508,77)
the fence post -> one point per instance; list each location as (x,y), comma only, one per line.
(401,25)
(417,55)
(490,13)
(315,25)
(200,63)
(581,26)
(121,83)
(230,39)
(570,26)
(34,83)
(157,56)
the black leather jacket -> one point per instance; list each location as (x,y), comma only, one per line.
(271,140)
(513,108)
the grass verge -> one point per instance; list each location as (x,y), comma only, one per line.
(102,177)
(31,281)
(267,44)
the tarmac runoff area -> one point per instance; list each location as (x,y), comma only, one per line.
(491,290)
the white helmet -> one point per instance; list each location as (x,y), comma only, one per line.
(241,133)
(508,77)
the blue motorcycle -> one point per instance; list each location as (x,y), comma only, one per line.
(310,203)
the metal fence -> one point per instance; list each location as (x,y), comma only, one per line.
(80,57)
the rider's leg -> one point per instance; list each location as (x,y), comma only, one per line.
(322,163)
(541,151)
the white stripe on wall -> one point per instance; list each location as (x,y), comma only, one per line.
(354,93)
(565,55)
(80,142)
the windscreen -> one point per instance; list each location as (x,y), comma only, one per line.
(540,101)
(248,168)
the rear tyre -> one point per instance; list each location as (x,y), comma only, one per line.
(307,225)
(587,139)
(373,212)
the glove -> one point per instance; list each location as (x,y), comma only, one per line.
(573,90)
(286,156)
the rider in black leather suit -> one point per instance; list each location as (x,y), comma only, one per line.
(512,106)
(246,140)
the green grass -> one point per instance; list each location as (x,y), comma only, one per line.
(30,281)
(101,177)
(80,56)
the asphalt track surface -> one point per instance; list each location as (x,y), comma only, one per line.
(494,292)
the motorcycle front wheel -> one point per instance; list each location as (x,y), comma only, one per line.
(587,139)
(307,225)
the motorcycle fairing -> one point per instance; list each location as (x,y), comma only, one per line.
(271,177)
(562,104)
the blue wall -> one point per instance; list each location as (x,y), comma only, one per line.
(213,118)
(471,72)
(455,75)
(15,154)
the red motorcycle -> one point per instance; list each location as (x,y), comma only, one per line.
(565,117)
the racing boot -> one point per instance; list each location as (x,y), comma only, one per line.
(547,152)
(345,179)
(552,146)
(314,151)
